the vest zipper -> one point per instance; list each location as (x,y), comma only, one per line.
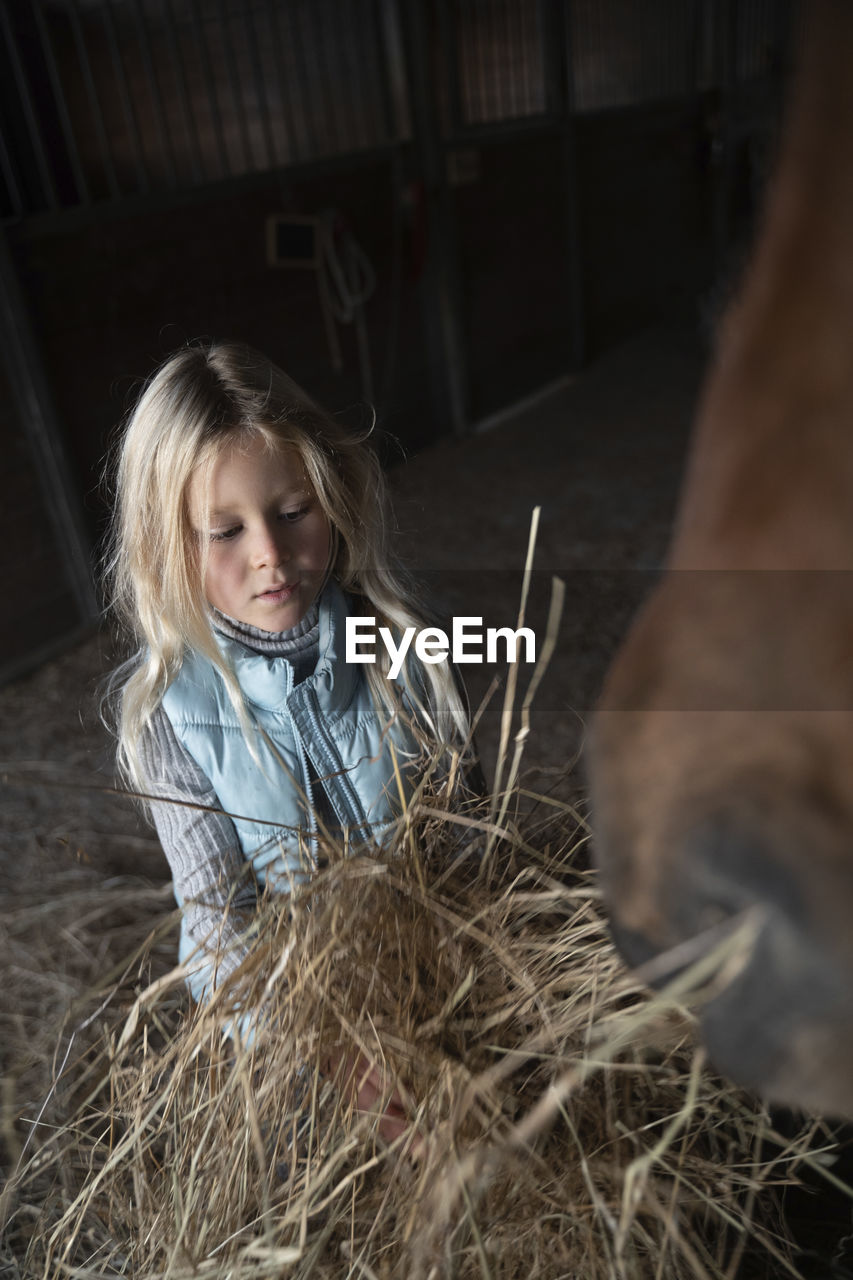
(341,780)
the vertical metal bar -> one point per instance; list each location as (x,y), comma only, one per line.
(478,35)
(190,128)
(459,106)
(11,181)
(33,128)
(154,91)
(516,53)
(94,101)
(440,288)
(260,82)
(210,86)
(525,46)
(530,40)
(367,79)
(298,70)
(400,124)
(319,76)
(495,87)
(494,84)
(575,85)
(29,384)
(458,93)
(126,100)
(234,85)
(349,62)
(563,12)
(597,26)
(326,43)
(61,105)
(502,63)
(551,86)
(384,73)
(291,147)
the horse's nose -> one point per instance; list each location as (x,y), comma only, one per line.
(778,1014)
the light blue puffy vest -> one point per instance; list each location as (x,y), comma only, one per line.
(329,720)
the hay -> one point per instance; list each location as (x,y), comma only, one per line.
(565,1120)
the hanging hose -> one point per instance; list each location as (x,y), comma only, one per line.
(346,281)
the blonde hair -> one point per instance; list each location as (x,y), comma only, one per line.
(197,405)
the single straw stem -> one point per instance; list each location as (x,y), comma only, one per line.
(511,684)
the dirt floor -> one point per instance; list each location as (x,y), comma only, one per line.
(601,455)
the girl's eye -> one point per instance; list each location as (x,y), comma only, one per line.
(298,513)
(225,535)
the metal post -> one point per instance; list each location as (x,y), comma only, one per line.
(23,89)
(210,85)
(248,20)
(197,166)
(62,106)
(234,85)
(166,148)
(29,383)
(128,109)
(442,294)
(281,65)
(561,19)
(10,178)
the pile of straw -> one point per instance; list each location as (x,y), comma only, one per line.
(563,1122)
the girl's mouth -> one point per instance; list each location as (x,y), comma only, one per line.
(278,595)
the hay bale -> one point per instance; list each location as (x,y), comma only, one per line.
(563,1122)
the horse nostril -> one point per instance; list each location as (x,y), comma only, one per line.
(728,868)
(634,948)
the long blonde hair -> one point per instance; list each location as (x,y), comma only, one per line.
(203,399)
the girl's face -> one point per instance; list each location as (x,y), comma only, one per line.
(268,538)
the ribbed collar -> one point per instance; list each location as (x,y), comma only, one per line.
(276,644)
(333,679)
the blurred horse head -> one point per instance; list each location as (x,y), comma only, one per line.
(721,758)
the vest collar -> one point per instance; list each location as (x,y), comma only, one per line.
(267,682)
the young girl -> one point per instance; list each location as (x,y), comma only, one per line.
(248,526)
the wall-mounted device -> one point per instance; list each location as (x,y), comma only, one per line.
(293,241)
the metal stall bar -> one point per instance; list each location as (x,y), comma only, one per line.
(29,382)
(248,20)
(11,181)
(234,86)
(94,101)
(280,62)
(450,46)
(356,113)
(441,274)
(324,37)
(559,22)
(525,90)
(210,85)
(386,37)
(33,128)
(298,65)
(127,106)
(189,121)
(505,101)
(154,90)
(61,106)
(391,71)
(373,82)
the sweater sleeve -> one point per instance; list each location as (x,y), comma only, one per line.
(210,874)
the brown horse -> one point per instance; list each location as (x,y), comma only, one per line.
(721,758)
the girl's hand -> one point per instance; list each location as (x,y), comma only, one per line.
(370,1090)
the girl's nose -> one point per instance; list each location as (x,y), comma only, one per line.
(269,547)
